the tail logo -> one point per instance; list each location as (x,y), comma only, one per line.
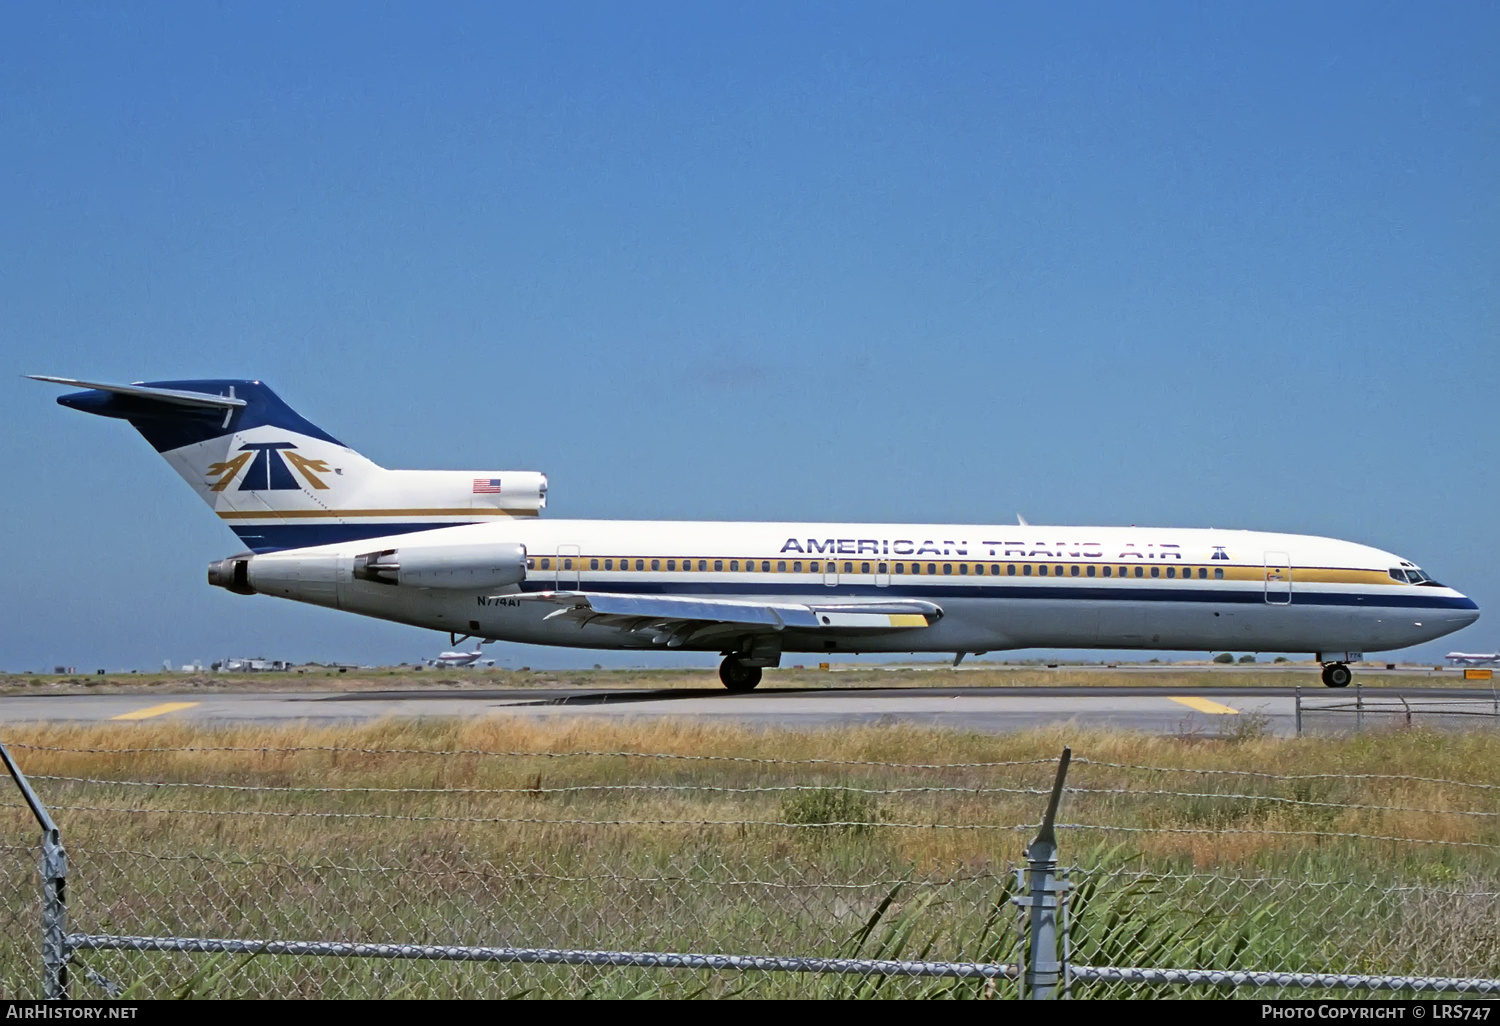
(268,470)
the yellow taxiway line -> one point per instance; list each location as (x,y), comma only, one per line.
(1203,705)
(154,710)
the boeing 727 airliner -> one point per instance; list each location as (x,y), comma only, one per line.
(467,553)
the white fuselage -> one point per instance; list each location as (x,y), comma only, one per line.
(998,587)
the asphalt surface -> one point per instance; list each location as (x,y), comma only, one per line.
(1153,709)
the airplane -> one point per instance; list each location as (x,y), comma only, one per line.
(467,552)
(1473,658)
(474,658)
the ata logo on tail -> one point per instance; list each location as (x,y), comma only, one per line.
(268,468)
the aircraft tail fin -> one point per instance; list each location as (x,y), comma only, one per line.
(279,481)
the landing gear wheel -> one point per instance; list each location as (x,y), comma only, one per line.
(738,677)
(1337,675)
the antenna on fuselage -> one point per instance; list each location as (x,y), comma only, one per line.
(1021,520)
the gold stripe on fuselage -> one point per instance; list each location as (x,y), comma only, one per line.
(980,570)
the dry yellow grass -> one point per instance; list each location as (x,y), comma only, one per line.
(708,837)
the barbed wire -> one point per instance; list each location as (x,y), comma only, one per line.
(277,814)
(1279,799)
(775,789)
(1082,761)
(583,753)
(1218,831)
(555,790)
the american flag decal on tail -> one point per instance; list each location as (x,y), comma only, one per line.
(486,486)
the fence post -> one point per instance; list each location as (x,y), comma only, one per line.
(1041,897)
(1299,710)
(54,889)
(1359,708)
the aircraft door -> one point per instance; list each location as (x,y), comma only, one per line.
(1278,578)
(569,566)
(831,573)
(882,575)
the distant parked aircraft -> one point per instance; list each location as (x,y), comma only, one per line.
(1473,658)
(474,658)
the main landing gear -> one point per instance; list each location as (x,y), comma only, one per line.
(738,677)
(1337,675)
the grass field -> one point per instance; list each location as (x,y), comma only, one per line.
(1377,853)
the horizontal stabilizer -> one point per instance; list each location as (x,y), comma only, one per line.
(172,396)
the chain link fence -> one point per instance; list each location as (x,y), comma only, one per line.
(384,871)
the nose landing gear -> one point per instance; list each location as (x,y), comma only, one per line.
(737,676)
(1337,675)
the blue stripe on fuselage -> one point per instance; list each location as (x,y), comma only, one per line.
(274,537)
(939,591)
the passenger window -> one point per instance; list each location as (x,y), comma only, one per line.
(932,568)
(702,565)
(1140,571)
(1074,571)
(1041,571)
(864,568)
(848,567)
(546,564)
(765,566)
(1171,571)
(780,566)
(963,569)
(995,569)
(947,568)
(640,564)
(567,564)
(883,568)
(813,567)
(1156,571)
(593,564)
(718,564)
(1203,573)
(531,564)
(1026,570)
(656,564)
(900,568)
(1108,570)
(1091,571)
(1010,569)
(734,564)
(797,567)
(979,569)
(1218,573)
(671,564)
(916,568)
(609,564)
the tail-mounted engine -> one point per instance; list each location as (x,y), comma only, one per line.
(445,566)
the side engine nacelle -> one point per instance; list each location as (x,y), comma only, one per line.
(445,566)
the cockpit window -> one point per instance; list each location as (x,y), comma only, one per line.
(1413,576)
(1397,574)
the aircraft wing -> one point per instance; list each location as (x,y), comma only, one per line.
(674,620)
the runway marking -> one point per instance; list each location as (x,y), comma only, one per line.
(154,710)
(1203,705)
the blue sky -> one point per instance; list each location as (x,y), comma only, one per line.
(1101,264)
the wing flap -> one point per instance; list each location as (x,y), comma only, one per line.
(670,611)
